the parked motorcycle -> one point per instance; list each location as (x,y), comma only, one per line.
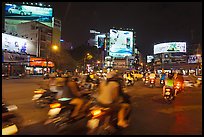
(102,121)
(129,82)
(9,127)
(169,95)
(43,98)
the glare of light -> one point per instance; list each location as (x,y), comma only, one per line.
(23,2)
(26,2)
(55,47)
(36,3)
(31,3)
(40,4)
(198,55)
(61,40)
(48,5)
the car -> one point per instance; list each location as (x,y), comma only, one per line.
(20,11)
(137,75)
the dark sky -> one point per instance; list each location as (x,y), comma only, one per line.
(153,22)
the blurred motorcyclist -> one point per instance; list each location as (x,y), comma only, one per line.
(169,83)
(152,75)
(109,95)
(179,78)
(163,76)
(73,91)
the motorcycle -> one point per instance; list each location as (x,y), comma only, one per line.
(102,121)
(146,81)
(161,82)
(8,125)
(169,95)
(60,112)
(152,83)
(43,98)
(177,87)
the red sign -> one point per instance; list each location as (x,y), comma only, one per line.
(40,62)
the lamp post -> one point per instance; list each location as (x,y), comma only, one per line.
(55,48)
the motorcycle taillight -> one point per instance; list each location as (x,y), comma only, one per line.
(96,112)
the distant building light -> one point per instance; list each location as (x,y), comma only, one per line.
(61,40)
(23,2)
(48,5)
(26,2)
(36,3)
(40,4)
(31,3)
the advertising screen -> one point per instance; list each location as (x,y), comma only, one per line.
(170,47)
(15,14)
(121,43)
(149,59)
(194,59)
(19,45)
(100,40)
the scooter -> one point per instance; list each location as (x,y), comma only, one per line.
(152,83)
(8,125)
(42,98)
(169,95)
(103,121)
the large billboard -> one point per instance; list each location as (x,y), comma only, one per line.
(121,43)
(17,44)
(15,14)
(170,47)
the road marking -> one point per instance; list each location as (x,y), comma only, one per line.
(180,108)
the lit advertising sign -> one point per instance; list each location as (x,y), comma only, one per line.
(19,45)
(149,59)
(170,47)
(100,40)
(15,14)
(194,59)
(121,43)
(40,62)
(14,57)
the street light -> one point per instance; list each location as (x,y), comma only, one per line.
(54,47)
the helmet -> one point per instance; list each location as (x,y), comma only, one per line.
(170,75)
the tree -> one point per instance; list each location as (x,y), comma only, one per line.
(63,59)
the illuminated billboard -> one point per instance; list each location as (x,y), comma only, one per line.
(121,43)
(194,59)
(19,45)
(149,59)
(15,14)
(170,47)
(100,40)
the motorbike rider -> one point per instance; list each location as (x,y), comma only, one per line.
(169,83)
(179,78)
(163,76)
(152,75)
(72,90)
(109,96)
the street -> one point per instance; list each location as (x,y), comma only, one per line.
(150,114)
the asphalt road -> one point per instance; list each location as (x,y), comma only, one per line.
(150,114)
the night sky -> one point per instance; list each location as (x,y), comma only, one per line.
(153,22)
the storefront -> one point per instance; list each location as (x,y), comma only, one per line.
(14,64)
(39,66)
